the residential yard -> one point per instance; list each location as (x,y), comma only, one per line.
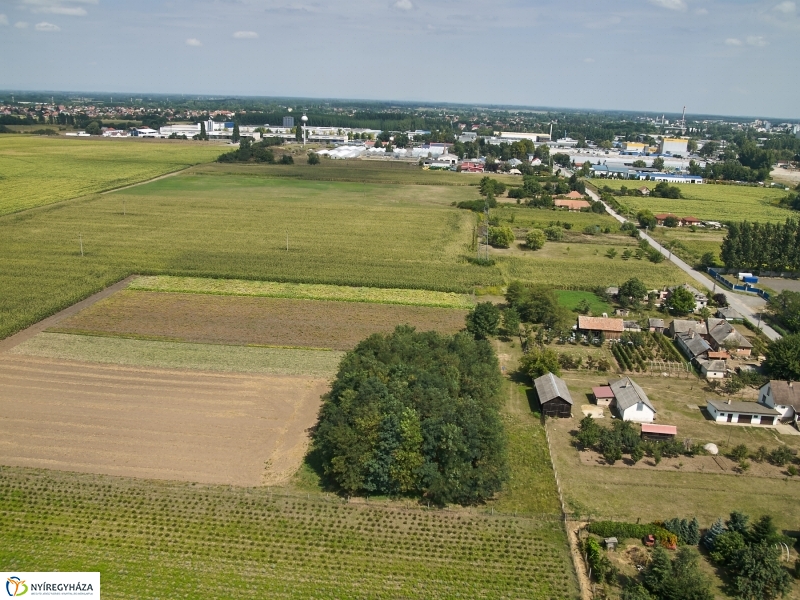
(705,487)
(572,299)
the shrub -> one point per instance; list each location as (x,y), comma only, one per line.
(501,237)
(535,239)
(554,234)
(539,361)
(739,453)
(483,320)
(622,530)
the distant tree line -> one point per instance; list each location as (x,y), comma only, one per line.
(762,246)
(258,152)
(413,413)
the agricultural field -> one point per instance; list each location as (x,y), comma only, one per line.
(523,216)
(706,487)
(304,291)
(222,428)
(42,170)
(572,299)
(245,320)
(188,541)
(641,352)
(182,355)
(235,227)
(690,245)
(708,201)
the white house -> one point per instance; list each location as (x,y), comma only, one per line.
(783,396)
(751,413)
(630,401)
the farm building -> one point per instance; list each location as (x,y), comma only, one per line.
(603,395)
(471,166)
(783,396)
(644,191)
(728,314)
(723,336)
(751,413)
(658,433)
(660,218)
(593,326)
(692,345)
(554,397)
(689,221)
(673,146)
(572,205)
(630,401)
(712,369)
(656,325)
(684,326)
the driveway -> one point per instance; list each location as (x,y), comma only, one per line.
(748,306)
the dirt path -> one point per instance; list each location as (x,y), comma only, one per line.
(573,528)
(36,328)
(164,176)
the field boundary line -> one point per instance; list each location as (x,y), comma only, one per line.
(32,330)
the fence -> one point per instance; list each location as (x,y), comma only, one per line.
(715,273)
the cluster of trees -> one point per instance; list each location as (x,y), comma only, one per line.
(415,413)
(750,554)
(255,152)
(792,200)
(622,438)
(539,304)
(671,579)
(762,246)
(785,309)
(783,358)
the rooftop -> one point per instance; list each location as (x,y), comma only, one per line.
(786,393)
(753,408)
(600,324)
(549,387)
(628,393)
(665,429)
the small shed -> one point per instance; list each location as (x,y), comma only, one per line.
(554,397)
(658,433)
(656,325)
(603,395)
(611,543)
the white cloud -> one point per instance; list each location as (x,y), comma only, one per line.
(245,35)
(58,7)
(3,19)
(670,4)
(45,26)
(20,25)
(403,4)
(757,41)
(733,42)
(786,7)
(193,42)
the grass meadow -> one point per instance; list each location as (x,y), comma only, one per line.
(572,298)
(35,171)
(708,201)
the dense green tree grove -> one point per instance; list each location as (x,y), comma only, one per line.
(762,246)
(539,304)
(415,413)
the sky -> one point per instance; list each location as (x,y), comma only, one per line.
(731,57)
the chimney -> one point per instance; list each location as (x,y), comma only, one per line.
(729,401)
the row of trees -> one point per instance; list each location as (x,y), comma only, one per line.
(255,152)
(415,413)
(762,246)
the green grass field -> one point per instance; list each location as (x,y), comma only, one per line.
(571,299)
(182,355)
(690,246)
(708,201)
(35,171)
(172,540)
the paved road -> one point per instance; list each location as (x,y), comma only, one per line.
(748,306)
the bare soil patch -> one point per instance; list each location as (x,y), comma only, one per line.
(249,320)
(218,428)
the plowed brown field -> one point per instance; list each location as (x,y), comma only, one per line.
(219,428)
(248,320)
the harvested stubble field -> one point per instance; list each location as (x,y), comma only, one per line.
(708,201)
(182,355)
(305,291)
(246,320)
(38,170)
(225,428)
(187,541)
(704,489)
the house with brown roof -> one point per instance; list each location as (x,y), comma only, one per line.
(644,191)
(723,336)
(593,326)
(688,221)
(572,205)
(574,195)
(783,396)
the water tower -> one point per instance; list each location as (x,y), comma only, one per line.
(304,119)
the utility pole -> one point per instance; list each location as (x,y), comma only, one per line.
(287,240)
(80,238)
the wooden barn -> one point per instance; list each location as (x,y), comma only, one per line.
(554,397)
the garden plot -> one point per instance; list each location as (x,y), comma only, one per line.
(252,320)
(224,428)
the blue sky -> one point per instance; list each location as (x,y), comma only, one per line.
(736,57)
